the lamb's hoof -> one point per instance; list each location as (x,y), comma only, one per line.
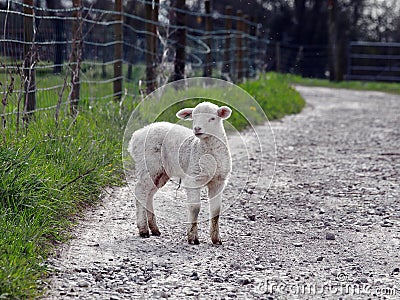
(144,234)
(217,241)
(194,241)
(156,232)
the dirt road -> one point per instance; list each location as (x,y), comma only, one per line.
(328,227)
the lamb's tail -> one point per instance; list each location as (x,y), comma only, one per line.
(135,144)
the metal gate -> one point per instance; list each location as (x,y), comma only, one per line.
(373,61)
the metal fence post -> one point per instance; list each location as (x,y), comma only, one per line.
(118,50)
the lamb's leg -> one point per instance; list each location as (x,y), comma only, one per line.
(159,181)
(151,217)
(141,193)
(215,189)
(193,198)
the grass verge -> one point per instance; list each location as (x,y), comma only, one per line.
(50,172)
(393,88)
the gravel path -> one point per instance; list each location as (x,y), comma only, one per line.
(328,226)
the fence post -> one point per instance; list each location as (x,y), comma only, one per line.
(180,39)
(29,61)
(239,45)
(226,67)
(333,39)
(252,48)
(348,75)
(246,42)
(151,44)
(118,50)
(208,65)
(76,56)
(58,32)
(278,57)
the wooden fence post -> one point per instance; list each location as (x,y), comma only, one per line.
(208,63)
(252,48)
(76,56)
(239,46)
(246,42)
(118,29)
(151,44)
(29,61)
(278,57)
(180,39)
(226,67)
(58,32)
(333,40)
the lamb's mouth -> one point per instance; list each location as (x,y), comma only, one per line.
(201,135)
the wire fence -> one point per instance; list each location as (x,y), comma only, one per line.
(51,59)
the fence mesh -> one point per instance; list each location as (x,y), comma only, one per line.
(226,45)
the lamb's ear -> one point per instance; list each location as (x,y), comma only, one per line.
(185,114)
(224,112)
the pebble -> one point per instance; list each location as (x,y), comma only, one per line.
(194,276)
(252,217)
(244,281)
(349,259)
(259,267)
(330,236)
(160,294)
(363,280)
(83,284)
(387,223)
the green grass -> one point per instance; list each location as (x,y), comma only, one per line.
(271,91)
(275,95)
(393,88)
(50,173)
(93,86)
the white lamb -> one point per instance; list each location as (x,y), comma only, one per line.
(198,158)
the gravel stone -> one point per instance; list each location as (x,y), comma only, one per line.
(330,236)
(83,284)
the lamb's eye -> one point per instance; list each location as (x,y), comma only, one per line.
(212,119)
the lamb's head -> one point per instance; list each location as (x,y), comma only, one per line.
(207,119)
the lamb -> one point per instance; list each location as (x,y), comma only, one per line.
(198,157)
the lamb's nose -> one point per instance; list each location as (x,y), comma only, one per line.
(197,129)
